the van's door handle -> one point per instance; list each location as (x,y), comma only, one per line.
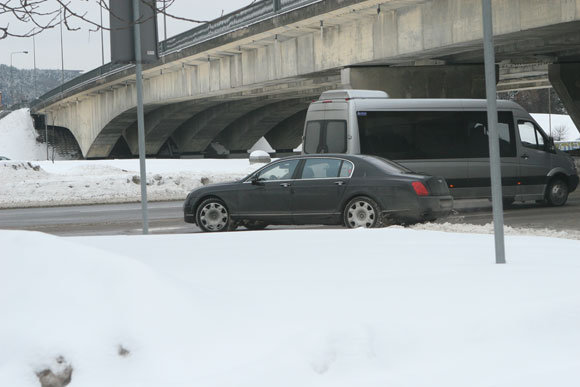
(340,182)
(285,185)
(525,156)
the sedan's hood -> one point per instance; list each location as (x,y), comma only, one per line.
(217,187)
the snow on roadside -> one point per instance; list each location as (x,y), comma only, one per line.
(43,183)
(18,137)
(378,307)
(488,229)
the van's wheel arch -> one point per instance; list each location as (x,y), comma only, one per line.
(557,191)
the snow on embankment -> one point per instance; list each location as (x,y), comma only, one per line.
(18,137)
(380,307)
(108,317)
(29,184)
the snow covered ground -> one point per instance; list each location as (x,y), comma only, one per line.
(43,183)
(387,307)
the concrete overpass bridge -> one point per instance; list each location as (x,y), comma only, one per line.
(222,86)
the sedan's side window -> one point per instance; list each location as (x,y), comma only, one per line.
(346,169)
(279,171)
(321,168)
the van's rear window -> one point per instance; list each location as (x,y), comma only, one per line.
(325,136)
(409,135)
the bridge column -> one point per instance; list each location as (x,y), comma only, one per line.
(565,78)
(435,81)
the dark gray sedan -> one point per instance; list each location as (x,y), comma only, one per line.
(353,190)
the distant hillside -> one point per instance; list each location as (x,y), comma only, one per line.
(23,87)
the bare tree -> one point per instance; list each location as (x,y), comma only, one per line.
(31,17)
(559,132)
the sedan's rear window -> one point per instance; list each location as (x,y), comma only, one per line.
(387,166)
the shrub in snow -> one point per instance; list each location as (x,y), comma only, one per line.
(259,156)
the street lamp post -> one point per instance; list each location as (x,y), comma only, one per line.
(11,74)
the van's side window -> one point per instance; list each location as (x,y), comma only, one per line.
(408,135)
(531,136)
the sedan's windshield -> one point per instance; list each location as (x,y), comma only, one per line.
(388,166)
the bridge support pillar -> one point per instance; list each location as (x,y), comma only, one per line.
(435,81)
(565,78)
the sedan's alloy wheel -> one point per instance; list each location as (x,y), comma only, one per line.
(361,212)
(213,216)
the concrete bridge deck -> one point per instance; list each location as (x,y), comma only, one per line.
(234,87)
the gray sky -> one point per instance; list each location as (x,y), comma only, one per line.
(82,49)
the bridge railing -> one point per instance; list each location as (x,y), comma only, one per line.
(241,18)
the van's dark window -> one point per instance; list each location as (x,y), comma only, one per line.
(408,135)
(312,136)
(325,136)
(336,136)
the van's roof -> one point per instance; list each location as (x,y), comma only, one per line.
(433,103)
(354,93)
(376,99)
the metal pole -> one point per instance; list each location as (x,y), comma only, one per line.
(34,61)
(11,81)
(102,44)
(494,156)
(12,99)
(550,109)
(164,21)
(140,115)
(61,55)
(46,135)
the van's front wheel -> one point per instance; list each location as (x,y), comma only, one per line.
(557,193)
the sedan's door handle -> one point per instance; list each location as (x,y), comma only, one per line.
(340,182)
(285,185)
(525,156)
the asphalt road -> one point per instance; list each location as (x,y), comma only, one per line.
(167,217)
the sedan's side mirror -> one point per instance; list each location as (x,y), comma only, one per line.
(256,180)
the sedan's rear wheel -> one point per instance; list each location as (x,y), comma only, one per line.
(362,212)
(212,215)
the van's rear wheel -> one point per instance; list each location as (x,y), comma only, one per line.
(557,192)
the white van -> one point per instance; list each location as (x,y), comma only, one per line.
(444,137)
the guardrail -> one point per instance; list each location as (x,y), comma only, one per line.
(241,18)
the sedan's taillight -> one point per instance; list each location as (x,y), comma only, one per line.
(419,188)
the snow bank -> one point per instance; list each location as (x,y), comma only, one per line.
(59,298)
(380,307)
(44,183)
(18,137)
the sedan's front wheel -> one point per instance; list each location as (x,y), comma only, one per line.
(362,212)
(212,215)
